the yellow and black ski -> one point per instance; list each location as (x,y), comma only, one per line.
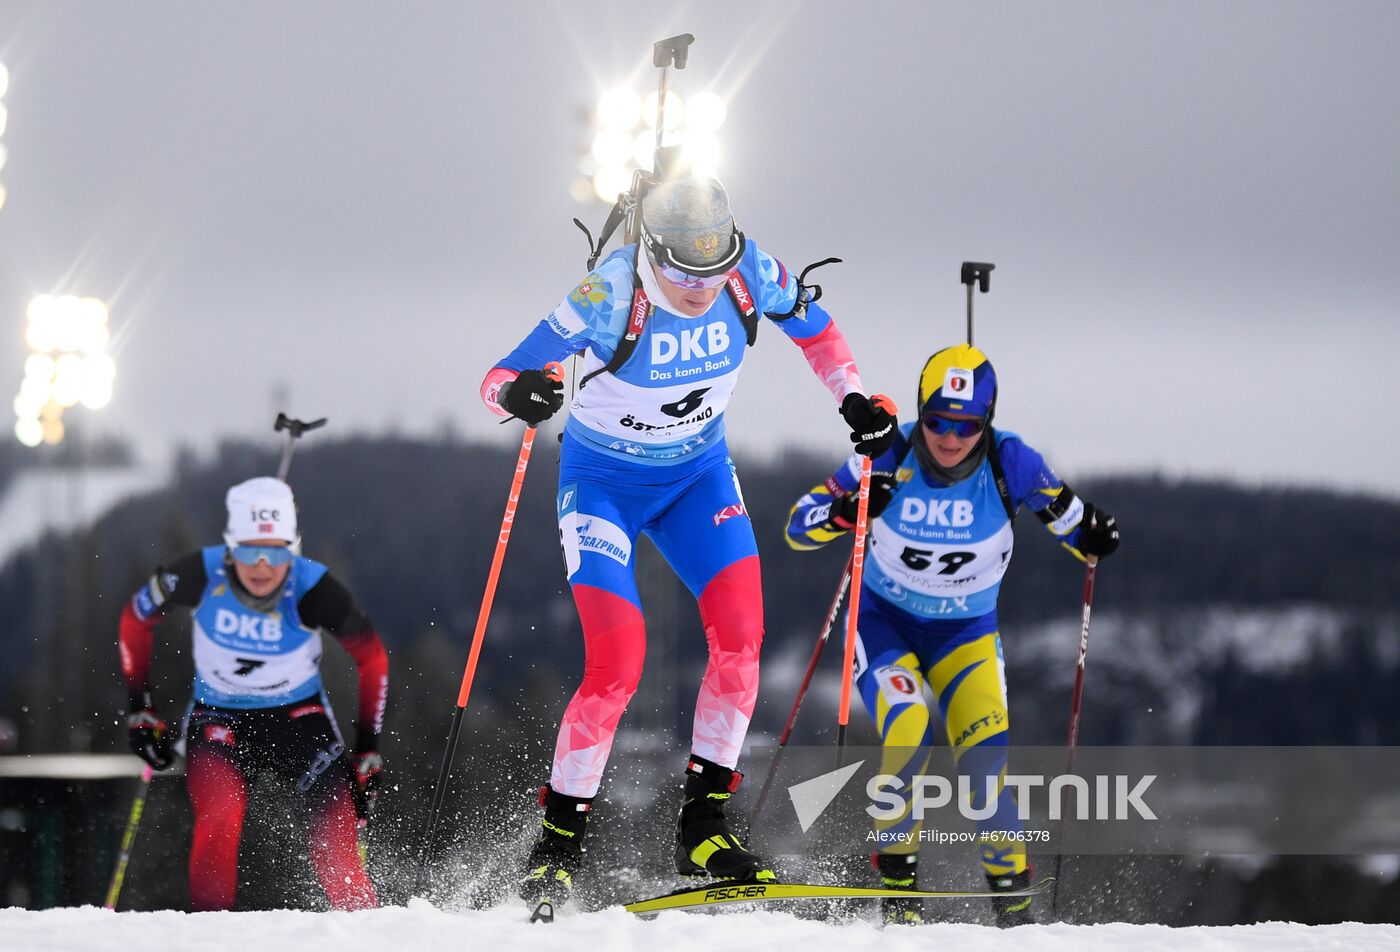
(723,893)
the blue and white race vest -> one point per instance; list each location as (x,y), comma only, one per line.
(941,551)
(667,402)
(250,659)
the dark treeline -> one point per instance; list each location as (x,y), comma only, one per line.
(410,526)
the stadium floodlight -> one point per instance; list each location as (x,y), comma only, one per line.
(624,139)
(68,337)
(67,379)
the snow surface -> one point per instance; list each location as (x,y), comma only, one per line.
(420,926)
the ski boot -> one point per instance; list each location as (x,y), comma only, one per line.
(899,871)
(704,844)
(555,857)
(1012,910)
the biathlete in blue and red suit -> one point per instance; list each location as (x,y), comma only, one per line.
(259,609)
(942,501)
(644,453)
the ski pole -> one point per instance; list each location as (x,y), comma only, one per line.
(802,690)
(132,822)
(857,573)
(848,662)
(979,273)
(1092,563)
(555,372)
(294,428)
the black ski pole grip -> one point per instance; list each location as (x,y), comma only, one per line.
(295,428)
(978,271)
(674,50)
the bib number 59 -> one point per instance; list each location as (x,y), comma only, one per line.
(921,559)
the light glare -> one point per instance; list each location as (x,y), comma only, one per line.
(67,380)
(611,147)
(95,393)
(27,408)
(702,152)
(100,367)
(619,108)
(705,111)
(675,111)
(611,181)
(39,365)
(581,190)
(36,389)
(29,431)
(53,431)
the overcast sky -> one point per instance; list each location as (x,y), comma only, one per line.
(1194,209)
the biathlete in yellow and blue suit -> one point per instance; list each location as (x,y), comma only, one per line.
(942,502)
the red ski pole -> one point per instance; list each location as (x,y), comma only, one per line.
(848,662)
(857,573)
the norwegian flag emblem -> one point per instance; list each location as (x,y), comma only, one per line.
(265,527)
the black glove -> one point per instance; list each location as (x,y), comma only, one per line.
(1098,533)
(844,510)
(872,422)
(368,766)
(145,731)
(533,396)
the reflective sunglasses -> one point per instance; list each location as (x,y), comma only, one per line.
(274,555)
(941,425)
(691,282)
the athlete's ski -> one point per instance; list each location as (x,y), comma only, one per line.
(730,892)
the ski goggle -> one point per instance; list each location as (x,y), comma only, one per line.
(667,258)
(941,425)
(275,556)
(691,282)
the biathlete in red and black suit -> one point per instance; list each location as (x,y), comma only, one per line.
(259,609)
